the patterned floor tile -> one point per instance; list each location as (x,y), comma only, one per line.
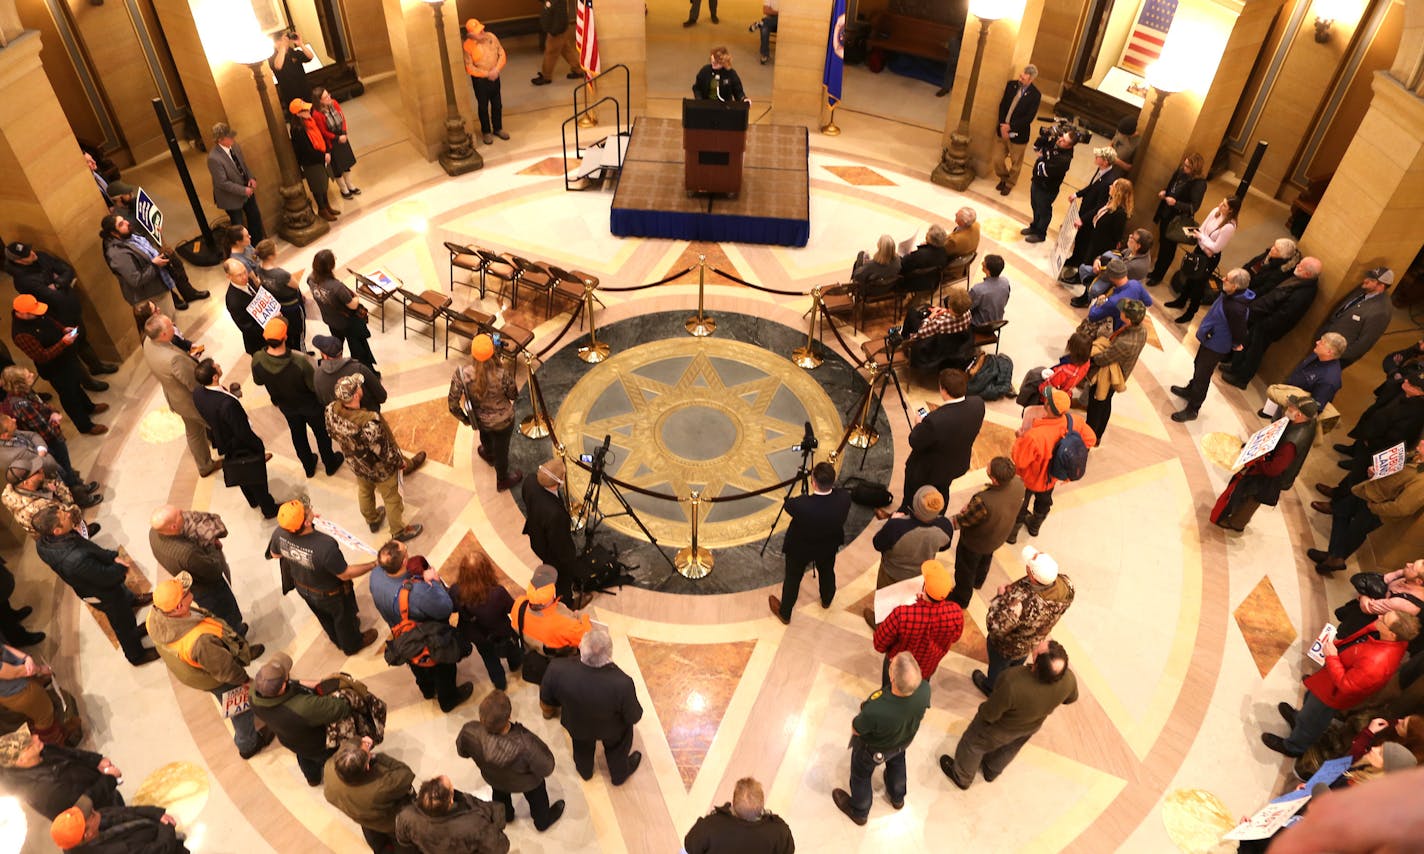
(860,176)
(1265,625)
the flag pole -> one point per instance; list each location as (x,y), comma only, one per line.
(830,128)
(590,118)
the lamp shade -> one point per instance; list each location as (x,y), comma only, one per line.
(990,10)
(246,42)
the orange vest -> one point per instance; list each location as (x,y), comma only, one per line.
(183,647)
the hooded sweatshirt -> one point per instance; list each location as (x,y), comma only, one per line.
(288,379)
(329,370)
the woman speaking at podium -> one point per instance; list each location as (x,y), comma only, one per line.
(717,81)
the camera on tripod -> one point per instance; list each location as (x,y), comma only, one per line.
(599,457)
(808,442)
(894,336)
(1048,134)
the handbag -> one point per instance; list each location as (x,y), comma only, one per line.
(1176,229)
(868,493)
(1196,263)
(245,469)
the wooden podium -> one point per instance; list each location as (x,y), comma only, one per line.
(714,138)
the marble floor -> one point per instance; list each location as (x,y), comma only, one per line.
(1183,638)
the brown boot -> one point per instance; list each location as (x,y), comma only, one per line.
(327,214)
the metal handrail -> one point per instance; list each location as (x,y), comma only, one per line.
(619,109)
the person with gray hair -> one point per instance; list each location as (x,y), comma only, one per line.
(1222,331)
(1272,266)
(1272,316)
(176,373)
(964,239)
(595,701)
(234,188)
(1017,109)
(920,269)
(880,734)
(741,826)
(1317,376)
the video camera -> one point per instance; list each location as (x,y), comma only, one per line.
(1048,134)
(808,442)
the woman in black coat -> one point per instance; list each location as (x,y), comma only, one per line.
(1182,196)
(313,156)
(483,606)
(51,778)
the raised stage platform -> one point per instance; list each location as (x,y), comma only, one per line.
(774,205)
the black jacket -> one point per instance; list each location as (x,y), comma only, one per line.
(1095,194)
(721,832)
(228,425)
(298,717)
(329,370)
(546,523)
(51,281)
(921,269)
(1283,306)
(237,300)
(1266,273)
(817,526)
(1389,422)
(1188,193)
(53,786)
(90,569)
(554,16)
(289,380)
(1021,122)
(1107,233)
(595,702)
(941,444)
(307,154)
(1362,325)
(1050,167)
(128,830)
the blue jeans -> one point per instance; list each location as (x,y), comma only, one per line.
(491,657)
(1311,722)
(999,663)
(862,766)
(1041,199)
(244,726)
(768,26)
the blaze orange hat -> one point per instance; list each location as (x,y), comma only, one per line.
(169,592)
(68,828)
(298,105)
(27,304)
(474,27)
(938,582)
(292,516)
(275,330)
(482,347)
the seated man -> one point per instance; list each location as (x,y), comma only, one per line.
(1137,256)
(1317,375)
(920,270)
(989,298)
(1120,287)
(964,239)
(770,11)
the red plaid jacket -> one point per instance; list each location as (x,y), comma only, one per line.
(924,627)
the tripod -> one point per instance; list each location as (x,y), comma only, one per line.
(808,454)
(877,398)
(590,516)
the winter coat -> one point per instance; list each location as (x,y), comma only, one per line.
(376,801)
(366,440)
(288,378)
(494,410)
(472,826)
(515,761)
(328,371)
(63,774)
(1033,451)
(1361,669)
(1224,326)
(1025,613)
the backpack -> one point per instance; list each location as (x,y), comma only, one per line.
(1070,456)
(423,644)
(994,377)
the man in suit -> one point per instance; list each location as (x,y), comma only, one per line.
(1093,195)
(816,531)
(234,188)
(232,434)
(1361,315)
(595,701)
(941,443)
(1019,704)
(175,371)
(547,524)
(1016,111)
(1272,316)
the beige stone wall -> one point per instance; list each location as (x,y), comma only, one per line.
(796,93)
(622,38)
(416,57)
(370,46)
(107,33)
(1053,45)
(44,199)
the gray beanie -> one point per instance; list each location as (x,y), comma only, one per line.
(927,504)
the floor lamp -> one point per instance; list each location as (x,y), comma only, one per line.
(954,170)
(459,155)
(298,224)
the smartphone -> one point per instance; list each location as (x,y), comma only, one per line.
(586,459)
(496,338)
(924,411)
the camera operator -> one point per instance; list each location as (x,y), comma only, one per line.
(816,532)
(286,62)
(1055,153)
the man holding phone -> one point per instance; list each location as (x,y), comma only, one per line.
(50,346)
(941,443)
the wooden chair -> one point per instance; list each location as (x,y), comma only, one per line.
(497,267)
(989,333)
(959,268)
(424,307)
(373,294)
(465,258)
(469,323)
(569,286)
(533,275)
(839,300)
(881,289)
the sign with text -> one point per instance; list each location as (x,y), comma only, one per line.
(1262,442)
(1316,653)
(264,306)
(148,215)
(1067,234)
(341,535)
(235,701)
(1389,461)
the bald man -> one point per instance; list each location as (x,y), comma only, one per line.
(190,541)
(240,291)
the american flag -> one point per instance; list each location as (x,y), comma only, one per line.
(586,38)
(1144,46)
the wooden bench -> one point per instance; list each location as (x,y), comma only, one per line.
(915,36)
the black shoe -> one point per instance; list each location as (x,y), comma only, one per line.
(89,500)
(1181,391)
(94,385)
(45,396)
(105,368)
(634,760)
(21,614)
(1260,413)
(1184,416)
(1344,449)
(196,295)
(1028,230)
(1347,465)
(1176,303)
(1232,379)
(939,94)
(556,811)
(1079,302)
(149,656)
(91,486)
(574,75)
(1277,744)
(689,23)
(1034,523)
(716,20)
(508,808)
(988,775)
(346,194)
(310,468)
(1325,490)
(462,694)
(242,630)
(981,681)
(1034,238)
(541,80)
(946,764)
(408,533)
(841,798)
(264,738)
(179,304)
(1288,712)
(375,524)
(330,469)
(1317,555)
(483,453)
(94,528)
(1184,318)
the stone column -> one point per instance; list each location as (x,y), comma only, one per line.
(416,53)
(623,38)
(796,93)
(1369,215)
(45,200)
(1053,45)
(1007,50)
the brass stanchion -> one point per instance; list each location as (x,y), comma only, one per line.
(536,424)
(594,351)
(863,435)
(807,357)
(590,118)
(829,128)
(700,325)
(694,561)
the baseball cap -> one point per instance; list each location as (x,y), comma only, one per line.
(68,828)
(541,585)
(482,347)
(12,744)
(1383,275)
(474,27)
(1041,567)
(328,344)
(347,385)
(18,250)
(275,330)
(1057,401)
(22,469)
(27,304)
(271,675)
(121,188)
(292,516)
(169,592)
(938,582)
(297,105)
